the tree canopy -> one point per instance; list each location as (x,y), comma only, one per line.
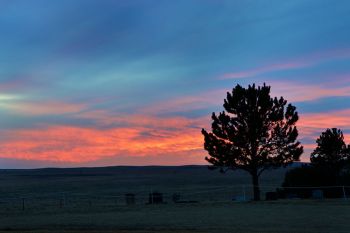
(255,132)
(331,150)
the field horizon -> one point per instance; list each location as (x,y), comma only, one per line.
(297,163)
(93,200)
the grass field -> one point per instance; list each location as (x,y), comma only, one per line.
(280,216)
(94,202)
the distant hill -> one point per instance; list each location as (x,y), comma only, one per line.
(118,180)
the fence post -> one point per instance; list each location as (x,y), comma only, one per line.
(152,200)
(243,187)
(344,193)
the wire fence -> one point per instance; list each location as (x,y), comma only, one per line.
(239,193)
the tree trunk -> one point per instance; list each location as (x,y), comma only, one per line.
(256,188)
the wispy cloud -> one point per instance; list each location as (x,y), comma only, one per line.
(300,92)
(314,122)
(185,103)
(290,64)
(78,145)
(39,108)
(293,91)
(311,125)
(112,136)
(263,69)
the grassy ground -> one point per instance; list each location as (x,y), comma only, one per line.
(107,186)
(94,202)
(278,216)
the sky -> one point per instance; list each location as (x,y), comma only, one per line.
(115,82)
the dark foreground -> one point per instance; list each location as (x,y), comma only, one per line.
(87,200)
(279,216)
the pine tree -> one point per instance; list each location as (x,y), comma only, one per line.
(254,133)
(331,151)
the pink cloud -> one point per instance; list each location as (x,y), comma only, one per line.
(317,121)
(105,118)
(15,82)
(140,136)
(264,69)
(298,63)
(146,135)
(292,91)
(299,92)
(202,100)
(311,125)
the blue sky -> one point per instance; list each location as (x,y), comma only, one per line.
(120,82)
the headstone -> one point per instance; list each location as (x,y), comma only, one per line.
(317,194)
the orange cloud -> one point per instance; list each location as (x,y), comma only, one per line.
(78,144)
(143,134)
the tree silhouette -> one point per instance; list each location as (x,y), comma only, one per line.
(331,151)
(327,167)
(254,133)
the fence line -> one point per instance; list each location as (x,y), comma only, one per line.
(242,192)
(121,195)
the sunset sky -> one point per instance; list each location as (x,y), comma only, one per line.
(108,82)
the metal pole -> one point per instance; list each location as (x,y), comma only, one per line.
(344,193)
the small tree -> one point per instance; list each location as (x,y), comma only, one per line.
(331,151)
(254,133)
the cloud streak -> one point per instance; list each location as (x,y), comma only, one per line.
(145,136)
(301,92)
(305,61)
(311,125)
(41,108)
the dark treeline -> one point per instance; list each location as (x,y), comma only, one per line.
(329,168)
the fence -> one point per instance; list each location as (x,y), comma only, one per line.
(244,192)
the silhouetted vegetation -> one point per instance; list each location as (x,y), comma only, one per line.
(328,170)
(254,133)
(331,152)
